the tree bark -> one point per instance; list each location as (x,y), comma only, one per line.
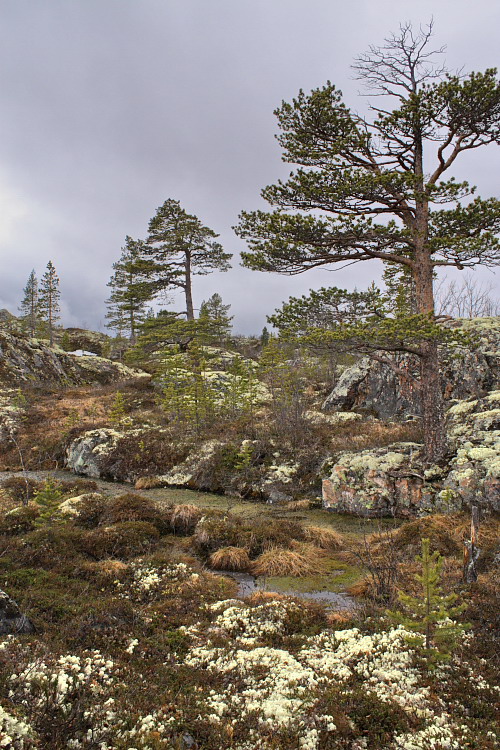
(188,291)
(435,444)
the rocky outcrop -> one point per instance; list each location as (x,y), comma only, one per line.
(12,620)
(25,360)
(72,339)
(374,388)
(392,481)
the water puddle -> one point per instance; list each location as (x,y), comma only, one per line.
(247,585)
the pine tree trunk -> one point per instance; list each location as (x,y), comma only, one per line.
(430,381)
(187,289)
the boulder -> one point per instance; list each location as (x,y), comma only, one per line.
(85,454)
(374,388)
(382,482)
(12,620)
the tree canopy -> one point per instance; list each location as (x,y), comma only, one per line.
(378,186)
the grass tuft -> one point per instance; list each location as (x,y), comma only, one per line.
(230,558)
(304,561)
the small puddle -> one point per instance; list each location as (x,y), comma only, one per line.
(247,585)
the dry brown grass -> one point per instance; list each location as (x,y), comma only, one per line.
(305,560)
(230,558)
(298,505)
(262,597)
(148,483)
(184,518)
(360,436)
(324,538)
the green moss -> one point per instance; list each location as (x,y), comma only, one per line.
(338,576)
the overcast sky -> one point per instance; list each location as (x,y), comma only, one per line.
(109,107)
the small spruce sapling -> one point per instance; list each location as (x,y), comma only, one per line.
(432,614)
(48,499)
(118,410)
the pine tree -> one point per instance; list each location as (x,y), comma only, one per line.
(215,318)
(49,300)
(29,306)
(376,186)
(431,614)
(130,292)
(180,246)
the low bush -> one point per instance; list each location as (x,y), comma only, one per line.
(19,520)
(213,532)
(20,489)
(184,518)
(122,540)
(49,546)
(132,507)
(89,510)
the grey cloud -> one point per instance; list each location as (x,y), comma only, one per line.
(111,106)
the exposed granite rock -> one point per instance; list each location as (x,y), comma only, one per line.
(85,454)
(25,360)
(374,388)
(12,620)
(393,481)
(474,431)
(384,482)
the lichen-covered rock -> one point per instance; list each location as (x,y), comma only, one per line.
(85,455)
(382,482)
(393,480)
(25,360)
(11,412)
(474,430)
(12,620)
(374,388)
(73,339)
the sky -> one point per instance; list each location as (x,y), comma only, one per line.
(110,107)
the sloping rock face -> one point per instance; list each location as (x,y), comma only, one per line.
(24,360)
(392,481)
(12,620)
(373,388)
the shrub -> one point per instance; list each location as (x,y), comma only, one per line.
(184,518)
(49,546)
(122,540)
(213,532)
(19,520)
(131,507)
(89,510)
(266,533)
(230,558)
(20,489)
(286,562)
(147,454)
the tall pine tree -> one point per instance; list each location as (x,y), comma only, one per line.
(376,186)
(180,246)
(29,305)
(48,301)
